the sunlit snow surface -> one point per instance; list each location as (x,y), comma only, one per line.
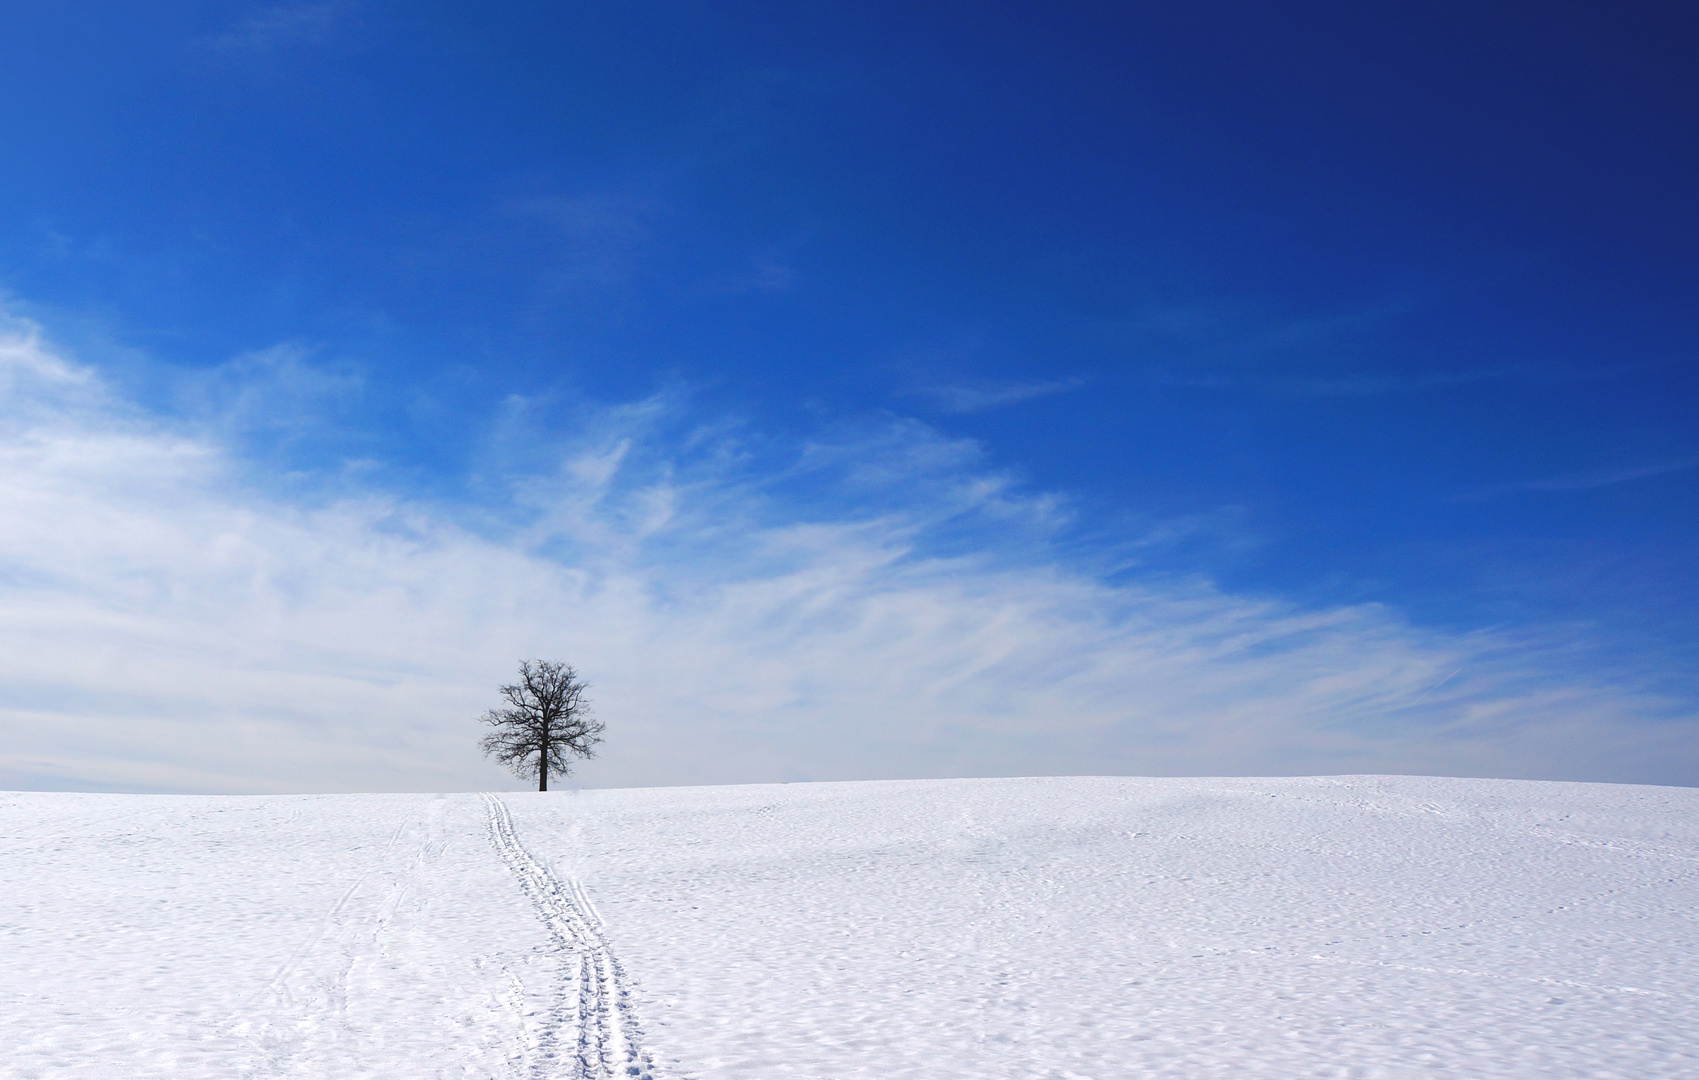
(1085,927)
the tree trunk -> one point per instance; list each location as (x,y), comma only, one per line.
(542,772)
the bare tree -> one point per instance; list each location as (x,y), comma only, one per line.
(546,719)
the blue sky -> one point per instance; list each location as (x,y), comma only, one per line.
(853,390)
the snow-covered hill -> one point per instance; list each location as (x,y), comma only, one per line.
(1080,927)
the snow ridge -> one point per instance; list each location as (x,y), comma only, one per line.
(608,1038)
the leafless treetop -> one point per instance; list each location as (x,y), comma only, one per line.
(547,721)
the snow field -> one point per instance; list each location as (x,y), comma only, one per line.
(1070,927)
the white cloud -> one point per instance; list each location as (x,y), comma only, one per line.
(598,240)
(1591,478)
(165,623)
(979,395)
(281,25)
(763,274)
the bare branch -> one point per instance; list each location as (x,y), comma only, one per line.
(547,721)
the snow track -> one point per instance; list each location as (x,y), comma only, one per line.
(1117,928)
(607,1043)
(332,922)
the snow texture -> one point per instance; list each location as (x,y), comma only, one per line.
(1066,928)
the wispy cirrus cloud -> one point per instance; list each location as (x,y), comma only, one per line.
(1344,384)
(979,395)
(1250,346)
(1234,327)
(1353,384)
(763,274)
(1585,479)
(871,603)
(281,26)
(597,240)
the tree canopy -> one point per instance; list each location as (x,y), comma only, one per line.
(546,722)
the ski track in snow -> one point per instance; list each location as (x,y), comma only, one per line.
(1107,928)
(279,984)
(607,1038)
